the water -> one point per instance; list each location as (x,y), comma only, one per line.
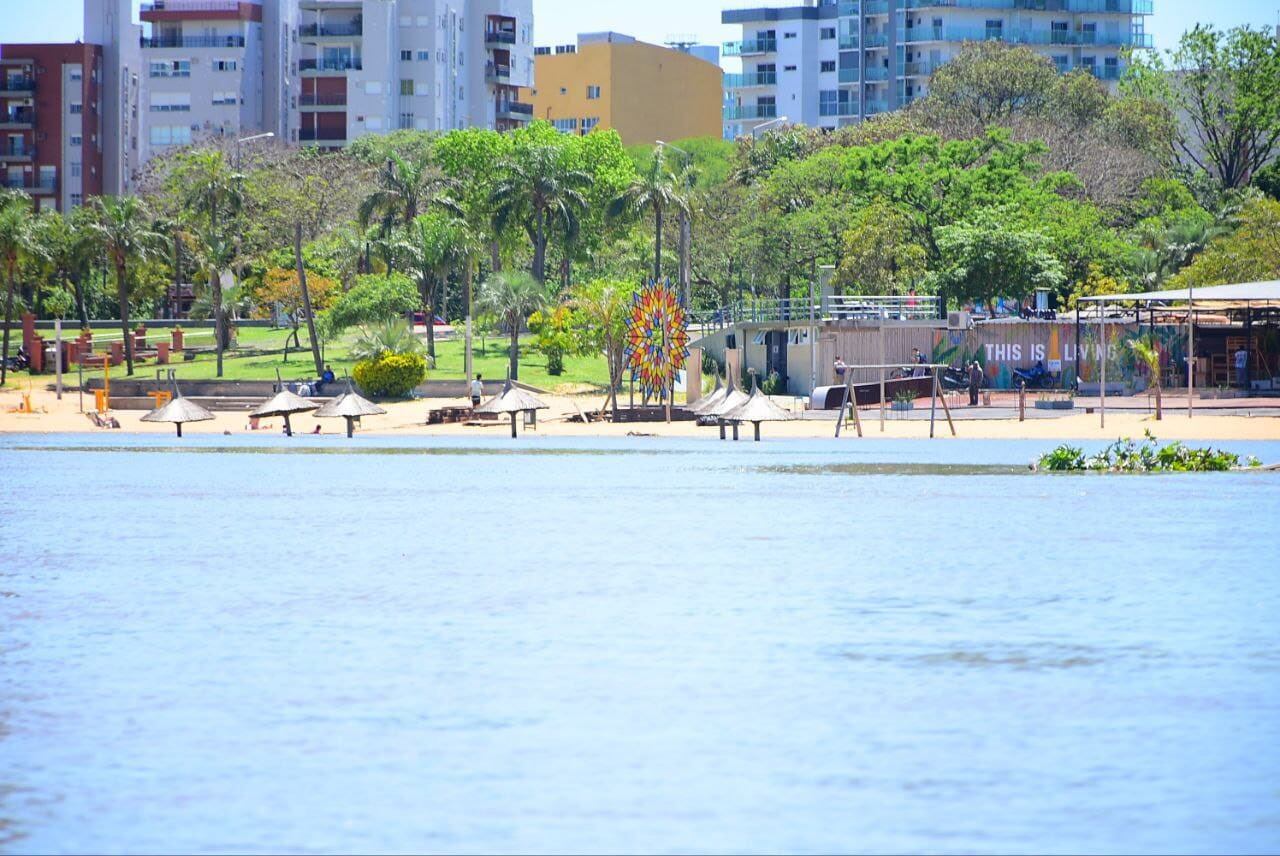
(630,646)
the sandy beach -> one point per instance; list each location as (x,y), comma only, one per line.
(408,419)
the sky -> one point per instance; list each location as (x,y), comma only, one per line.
(559,21)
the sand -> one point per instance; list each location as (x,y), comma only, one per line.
(407,419)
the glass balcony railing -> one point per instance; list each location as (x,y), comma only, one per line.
(876,40)
(23,116)
(1120,7)
(849,41)
(331,135)
(29,182)
(840,108)
(875,106)
(514,108)
(18,150)
(338,64)
(312,31)
(739,112)
(753,46)
(850,75)
(875,73)
(193,42)
(749,79)
(17,84)
(499,37)
(338,99)
(1026,37)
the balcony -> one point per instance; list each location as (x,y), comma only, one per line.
(876,40)
(750,79)
(876,106)
(850,75)
(753,46)
(322,135)
(322,102)
(849,41)
(747,112)
(17,86)
(21,119)
(192,6)
(1105,72)
(320,66)
(30,183)
(165,42)
(875,7)
(17,152)
(1119,7)
(918,69)
(875,74)
(1026,37)
(496,73)
(499,38)
(516,111)
(840,108)
(347,29)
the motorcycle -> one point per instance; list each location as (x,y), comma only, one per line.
(955,379)
(1036,377)
(18,363)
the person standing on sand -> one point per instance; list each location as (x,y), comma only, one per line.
(975,382)
(477,391)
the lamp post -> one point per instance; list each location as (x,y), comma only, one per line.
(266,136)
(778,121)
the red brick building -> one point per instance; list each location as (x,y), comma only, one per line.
(51,138)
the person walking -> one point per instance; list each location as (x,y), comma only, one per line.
(477,391)
(1242,368)
(975,382)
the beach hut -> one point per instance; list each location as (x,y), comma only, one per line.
(733,399)
(351,407)
(178,412)
(513,401)
(758,408)
(284,404)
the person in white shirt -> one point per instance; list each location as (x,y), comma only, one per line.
(1242,368)
(477,390)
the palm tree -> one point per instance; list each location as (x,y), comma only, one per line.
(513,297)
(214,189)
(1147,350)
(16,241)
(405,189)
(390,337)
(124,231)
(539,191)
(658,189)
(220,255)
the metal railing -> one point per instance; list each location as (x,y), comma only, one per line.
(308,135)
(193,42)
(18,151)
(195,5)
(750,46)
(502,72)
(350,64)
(25,116)
(497,37)
(28,183)
(334,100)
(1123,7)
(514,107)
(832,308)
(18,84)
(311,31)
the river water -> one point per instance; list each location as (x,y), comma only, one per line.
(670,646)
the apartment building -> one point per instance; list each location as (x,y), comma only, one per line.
(645,92)
(51,143)
(828,63)
(109,25)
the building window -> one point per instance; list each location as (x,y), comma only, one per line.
(225,99)
(224,65)
(589,124)
(170,135)
(828,65)
(76,109)
(566,126)
(995,28)
(77,200)
(827,100)
(171,68)
(424,56)
(77,140)
(788,35)
(593,93)
(828,33)
(77,75)
(170,102)
(406,121)
(406,56)
(75,169)
(788,68)
(406,87)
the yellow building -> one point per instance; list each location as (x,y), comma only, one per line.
(644,92)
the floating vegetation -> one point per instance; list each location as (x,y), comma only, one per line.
(1147,456)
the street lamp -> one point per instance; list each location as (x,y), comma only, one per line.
(778,121)
(266,136)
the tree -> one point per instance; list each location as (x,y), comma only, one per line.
(375,299)
(435,244)
(124,232)
(281,287)
(1251,253)
(879,256)
(211,187)
(538,190)
(16,242)
(220,255)
(989,81)
(1226,86)
(601,308)
(405,189)
(658,190)
(513,297)
(1147,350)
(983,258)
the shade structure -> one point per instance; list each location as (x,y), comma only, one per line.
(732,399)
(178,412)
(285,404)
(758,408)
(512,400)
(703,406)
(351,407)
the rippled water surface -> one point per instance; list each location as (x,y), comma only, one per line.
(631,646)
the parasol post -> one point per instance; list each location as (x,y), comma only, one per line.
(757,427)
(722,429)
(513,425)
(735,432)
(351,427)
(179,425)
(288,429)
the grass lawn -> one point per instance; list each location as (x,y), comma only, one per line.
(259,353)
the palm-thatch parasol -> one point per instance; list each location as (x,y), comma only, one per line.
(758,408)
(702,406)
(179,411)
(513,400)
(284,404)
(351,407)
(733,399)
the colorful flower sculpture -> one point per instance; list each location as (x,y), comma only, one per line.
(657,338)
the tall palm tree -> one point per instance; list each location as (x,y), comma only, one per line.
(214,188)
(538,191)
(219,254)
(657,189)
(513,297)
(16,242)
(434,245)
(124,231)
(405,189)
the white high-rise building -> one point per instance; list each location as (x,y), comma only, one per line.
(109,23)
(828,63)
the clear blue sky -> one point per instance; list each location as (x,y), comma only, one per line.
(559,21)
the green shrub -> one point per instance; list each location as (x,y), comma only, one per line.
(391,376)
(773,385)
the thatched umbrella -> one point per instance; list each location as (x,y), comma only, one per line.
(284,404)
(702,406)
(179,411)
(351,407)
(513,400)
(758,408)
(733,399)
